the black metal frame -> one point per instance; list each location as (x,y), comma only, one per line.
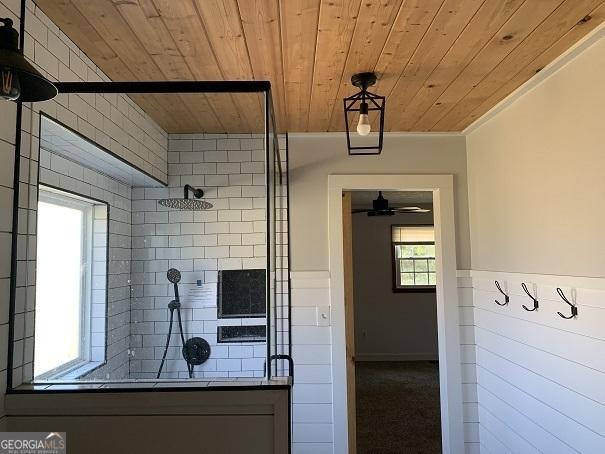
(353,104)
(135,88)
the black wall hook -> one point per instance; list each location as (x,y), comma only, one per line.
(574,308)
(506,298)
(531,296)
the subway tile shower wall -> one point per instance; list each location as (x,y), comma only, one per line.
(231,235)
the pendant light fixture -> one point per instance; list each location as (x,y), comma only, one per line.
(357,111)
(19,80)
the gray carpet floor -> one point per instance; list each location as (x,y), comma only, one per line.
(398,407)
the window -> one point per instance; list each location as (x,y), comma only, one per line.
(413,257)
(70,275)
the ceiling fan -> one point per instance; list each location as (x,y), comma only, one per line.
(380,207)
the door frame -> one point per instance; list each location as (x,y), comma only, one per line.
(450,378)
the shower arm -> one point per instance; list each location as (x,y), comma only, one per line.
(197,193)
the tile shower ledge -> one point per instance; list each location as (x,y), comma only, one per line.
(216,384)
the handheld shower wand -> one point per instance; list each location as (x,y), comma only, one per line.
(174,276)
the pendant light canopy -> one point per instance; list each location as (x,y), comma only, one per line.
(359,110)
(19,80)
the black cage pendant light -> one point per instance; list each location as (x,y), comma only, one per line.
(363,104)
(19,80)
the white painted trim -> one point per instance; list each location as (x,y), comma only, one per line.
(564,59)
(447,298)
(389,357)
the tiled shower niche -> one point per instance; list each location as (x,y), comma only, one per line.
(144,239)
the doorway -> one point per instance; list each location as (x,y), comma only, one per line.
(394,321)
(450,383)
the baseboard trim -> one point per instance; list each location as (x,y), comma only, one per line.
(404,357)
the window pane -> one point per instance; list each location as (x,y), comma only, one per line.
(407,278)
(421,265)
(58,286)
(398,251)
(432,265)
(407,265)
(432,279)
(422,279)
(423,250)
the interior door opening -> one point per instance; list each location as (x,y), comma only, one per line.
(391,322)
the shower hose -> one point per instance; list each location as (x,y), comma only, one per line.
(172,306)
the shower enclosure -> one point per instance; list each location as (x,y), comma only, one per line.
(152,241)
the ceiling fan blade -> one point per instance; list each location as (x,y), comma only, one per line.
(361,210)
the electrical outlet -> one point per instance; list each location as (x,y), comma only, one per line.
(323,316)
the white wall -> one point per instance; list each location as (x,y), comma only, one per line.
(535,174)
(536,194)
(389,326)
(312,157)
(315,156)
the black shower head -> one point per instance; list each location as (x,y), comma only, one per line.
(174,275)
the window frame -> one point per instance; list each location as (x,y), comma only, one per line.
(394,267)
(83,364)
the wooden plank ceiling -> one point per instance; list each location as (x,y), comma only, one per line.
(441,63)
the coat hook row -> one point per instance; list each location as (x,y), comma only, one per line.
(534,299)
(506,297)
(574,308)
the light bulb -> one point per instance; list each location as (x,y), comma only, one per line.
(363,126)
(10,89)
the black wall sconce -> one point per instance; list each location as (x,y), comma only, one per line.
(363,103)
(19,80)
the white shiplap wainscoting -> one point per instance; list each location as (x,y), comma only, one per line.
(540,378)
(468,360)
(312,354)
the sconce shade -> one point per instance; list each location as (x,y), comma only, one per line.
(19,80)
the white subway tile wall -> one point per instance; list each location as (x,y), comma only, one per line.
(113,121)
(229,236)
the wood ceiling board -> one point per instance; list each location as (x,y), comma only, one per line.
(224,32)
(372,28)
(108,22)
(337,20)
(485,24)
(299,19)
(189,33)
(547,33)
(435,64)
(580,30)
(449,22)
(77,27)
(410,26)
(261,24)
(520,25)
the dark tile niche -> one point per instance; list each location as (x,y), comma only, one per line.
(241,293)
(251,333)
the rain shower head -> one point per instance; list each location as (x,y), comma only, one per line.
(186,203)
